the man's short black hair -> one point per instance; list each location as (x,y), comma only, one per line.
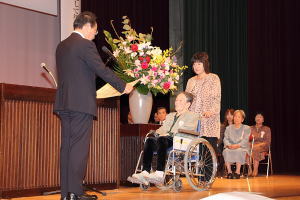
(161,108)
(84,18)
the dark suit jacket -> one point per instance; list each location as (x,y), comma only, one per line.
(78,62)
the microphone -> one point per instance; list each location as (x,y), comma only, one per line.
(109,53)
(43,65)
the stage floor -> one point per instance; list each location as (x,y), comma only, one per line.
(276,186)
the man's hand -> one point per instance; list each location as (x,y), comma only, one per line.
(234,146)
(128,88)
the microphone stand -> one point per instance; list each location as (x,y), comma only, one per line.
(43,65)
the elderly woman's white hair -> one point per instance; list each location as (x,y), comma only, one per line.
(241,112)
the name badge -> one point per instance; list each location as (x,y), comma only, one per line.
(180,123)
(262,133)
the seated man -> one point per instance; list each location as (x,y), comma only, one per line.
(160,115)
(181,119)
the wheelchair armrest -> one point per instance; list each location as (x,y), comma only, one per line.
(151,133)
(188,132)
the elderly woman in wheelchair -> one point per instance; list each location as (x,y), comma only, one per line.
(176,134)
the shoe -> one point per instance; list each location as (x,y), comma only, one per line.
(254,173)
(236,176)
(83,197)
(64,198)
(230,176)
(156,178)
(142,177)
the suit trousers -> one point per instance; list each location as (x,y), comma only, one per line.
(159,144)
(76,128)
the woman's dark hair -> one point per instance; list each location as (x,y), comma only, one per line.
(84,18)
(231,111)
(259,113)
(203,58)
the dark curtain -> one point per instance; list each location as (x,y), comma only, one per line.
(220,28)
(273,43)
(143,14)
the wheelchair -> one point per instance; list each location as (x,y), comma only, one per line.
(191,156)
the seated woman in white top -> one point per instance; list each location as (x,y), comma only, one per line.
(236,144)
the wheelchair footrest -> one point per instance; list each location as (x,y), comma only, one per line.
(155,181)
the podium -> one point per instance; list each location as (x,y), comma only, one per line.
(30,142)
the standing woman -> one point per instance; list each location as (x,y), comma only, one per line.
(206,88)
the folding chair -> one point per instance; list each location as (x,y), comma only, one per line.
(268,162)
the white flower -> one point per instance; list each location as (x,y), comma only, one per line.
(137,63)
(127,50)
(129,72)
(144,45)
(156,51)
(133,54)
(116,53)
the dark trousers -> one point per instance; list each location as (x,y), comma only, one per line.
(213,142)
(159,144)
(207,169)
(76,131)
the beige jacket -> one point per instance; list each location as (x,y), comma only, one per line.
(187,121)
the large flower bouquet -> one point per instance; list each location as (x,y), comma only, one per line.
(156,70)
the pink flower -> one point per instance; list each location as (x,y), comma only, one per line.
(166,85)
(144,65)
(154,69)
(136,70)
(134,47)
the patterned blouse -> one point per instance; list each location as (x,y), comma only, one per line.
(207,98)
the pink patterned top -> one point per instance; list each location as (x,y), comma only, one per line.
(207,98)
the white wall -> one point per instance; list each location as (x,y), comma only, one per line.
(45,6)
(27,38)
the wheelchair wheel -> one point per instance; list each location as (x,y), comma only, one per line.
(144,187)
(200,164)
(170,178)
(177,185)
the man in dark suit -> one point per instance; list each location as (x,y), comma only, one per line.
(78,62)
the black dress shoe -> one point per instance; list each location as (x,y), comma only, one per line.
(230,176)
(83,197)
(236,176)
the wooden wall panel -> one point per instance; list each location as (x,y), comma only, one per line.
(30,141)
